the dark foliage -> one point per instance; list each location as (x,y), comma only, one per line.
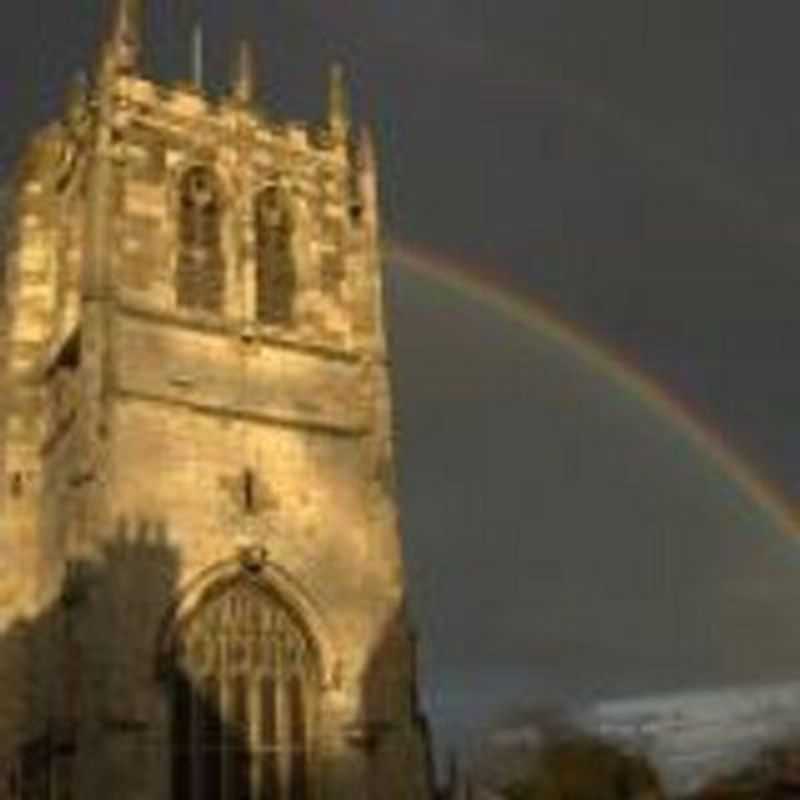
(585,768)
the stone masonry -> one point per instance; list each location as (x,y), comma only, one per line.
(196,456)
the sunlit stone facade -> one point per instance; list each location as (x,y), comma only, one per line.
(202,590)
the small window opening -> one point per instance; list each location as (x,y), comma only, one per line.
(200,276)
(249,492)
(356,212)
(70,355)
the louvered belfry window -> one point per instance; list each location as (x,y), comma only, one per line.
(276,279)
(243,693)
(200,279)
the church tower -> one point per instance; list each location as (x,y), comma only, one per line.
(206,598)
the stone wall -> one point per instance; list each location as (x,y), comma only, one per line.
(152,450)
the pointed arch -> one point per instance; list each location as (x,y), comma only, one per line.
(245,672)
(272,579)
(200,274)
(276,276)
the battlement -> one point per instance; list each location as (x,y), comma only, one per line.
(183,103)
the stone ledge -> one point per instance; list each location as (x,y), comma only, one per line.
(208,323)
(266,418)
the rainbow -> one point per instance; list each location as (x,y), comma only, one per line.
(476,283)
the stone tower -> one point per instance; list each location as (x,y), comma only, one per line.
(205,597)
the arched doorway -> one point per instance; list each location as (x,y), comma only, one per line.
(244,696)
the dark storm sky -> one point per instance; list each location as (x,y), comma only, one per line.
(635,165)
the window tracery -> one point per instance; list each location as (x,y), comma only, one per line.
(244,691)
(200,279)
(276,279)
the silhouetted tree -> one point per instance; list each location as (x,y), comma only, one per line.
(774,774)
(585,768)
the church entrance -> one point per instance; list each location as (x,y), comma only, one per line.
(244,692)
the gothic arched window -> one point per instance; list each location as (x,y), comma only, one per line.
(200,279)
(245,684)
(276,279)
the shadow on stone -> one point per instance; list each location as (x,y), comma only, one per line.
(88,711)
(120,687)
(77,693)
(395,735)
